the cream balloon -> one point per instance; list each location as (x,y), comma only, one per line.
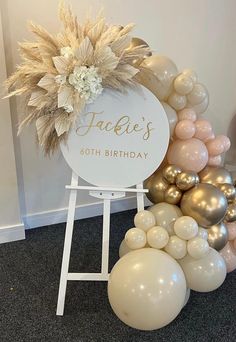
(157,237)
(188,291)
(157,74)
(198,94)
(197,247)
(124,249)
(201,107)
(205,274)
(176,247)
(202,233)
(146,289)
(190,73)
(186,227)
(144,220)
(177,101)
(183,84)
(135,238)
(165,214)
(171,115)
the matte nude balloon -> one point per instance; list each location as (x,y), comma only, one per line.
(225,142)
(228,253)
(188,291)
(171,115)
(231,227)
(144,220)
(186,227)
(183,84)
(205,274)
(157,237)
(198,94)
(135,238)
(197,247)
(185,129)
(166,214)
(124,249)
(188,154)
(146,289)
(201,107)
(190,73)
(203,129)
(177,101)
(215,146)
(187,114)
(176,247)
(214,161)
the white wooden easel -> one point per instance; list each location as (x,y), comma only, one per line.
(107,194)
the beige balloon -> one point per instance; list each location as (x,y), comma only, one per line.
(157,237)
(143,295)
(183,84)
(165,215)
(173,195)
(170,173)
(198,94)
(135,238)
(188,291)
(186,180)
(190,73)
(202,233)
(124,249)
(177,101)
(144,220)
(186,227)
(201,107)
(228,190)
(176,247)
(231,213)
(156,186)
(205,274)
(215,175)
(171,115)
(157,74)
(218,236)
(197,247)
(205,203)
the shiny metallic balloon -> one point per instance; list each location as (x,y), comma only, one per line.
(187,180)
(157,186)
(170,172)
(231,213)
(135,42)
(205,203)
(173,195)
(228,190)
(217,236)
(215,175)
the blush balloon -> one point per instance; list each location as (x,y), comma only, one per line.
(185,129)
(225,141)
(228,253)
(231,226)
(187,114)
(215,146)
(214,161)
(188,154)
(203,129)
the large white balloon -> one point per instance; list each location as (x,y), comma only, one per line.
(146,289)
(124,249)
(206,274)
(165,215)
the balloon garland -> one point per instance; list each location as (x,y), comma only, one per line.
(187,239)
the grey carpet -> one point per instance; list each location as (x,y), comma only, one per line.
(29,278)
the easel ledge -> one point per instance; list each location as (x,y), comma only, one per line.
(107,194)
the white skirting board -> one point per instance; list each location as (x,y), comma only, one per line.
(47,218)
(12,233)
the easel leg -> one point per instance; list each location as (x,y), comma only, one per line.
(140,198)
(67,247)
(106,236)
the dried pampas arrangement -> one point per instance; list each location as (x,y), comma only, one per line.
(60,74)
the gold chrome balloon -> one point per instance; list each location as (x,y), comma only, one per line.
(157,186)
(215,175)
(217,236)
(186,180)
(172,195)
(135,42)
(231,213)
(205,203)
(228,190)
(170,173)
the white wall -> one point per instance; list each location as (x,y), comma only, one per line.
(196,34)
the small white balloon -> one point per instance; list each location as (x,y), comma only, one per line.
(186,227)
(171,115)
(177,101)
(124,249)
(202,233)
(190,73)
(157,237)
(144,220)
(176,247)
(183,84)
(198,94)
(197,248)
(135,238)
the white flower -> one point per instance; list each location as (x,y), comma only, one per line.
(68,108)
(60,79)
(67,52)
(87,82)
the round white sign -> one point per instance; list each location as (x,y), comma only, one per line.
(119,140)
